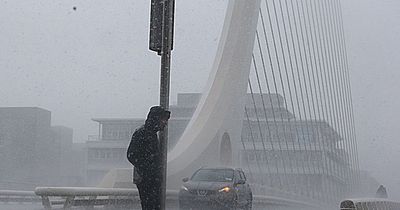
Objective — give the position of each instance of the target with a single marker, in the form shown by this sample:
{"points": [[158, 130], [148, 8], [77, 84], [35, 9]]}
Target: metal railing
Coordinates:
{"points": [[369, 204], [90, 197], [14, 196]]}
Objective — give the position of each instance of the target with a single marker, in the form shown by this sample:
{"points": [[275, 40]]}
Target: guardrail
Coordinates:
{"points": [[10, 196], [90, 197], [369, 204], [261, 200]]}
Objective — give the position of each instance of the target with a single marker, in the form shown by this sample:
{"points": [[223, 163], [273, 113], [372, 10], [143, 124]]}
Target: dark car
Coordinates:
{"points": [[216, 188]]}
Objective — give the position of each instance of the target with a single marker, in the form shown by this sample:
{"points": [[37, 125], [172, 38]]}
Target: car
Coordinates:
{"points": [[216, 188]]}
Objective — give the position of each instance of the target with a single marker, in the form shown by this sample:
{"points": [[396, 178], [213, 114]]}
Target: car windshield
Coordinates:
{"points": [[214, 175]]}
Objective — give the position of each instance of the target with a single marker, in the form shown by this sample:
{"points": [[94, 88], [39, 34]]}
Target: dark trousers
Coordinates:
{"points": [[150, 194]]}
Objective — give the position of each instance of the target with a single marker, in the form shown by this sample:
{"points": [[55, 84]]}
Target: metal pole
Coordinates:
{"points": [[167, 30]]}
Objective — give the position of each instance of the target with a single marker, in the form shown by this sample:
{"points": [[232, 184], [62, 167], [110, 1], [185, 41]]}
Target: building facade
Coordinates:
{"points": [[278, 151], [305, 157], [34, 153], [107, 150]]}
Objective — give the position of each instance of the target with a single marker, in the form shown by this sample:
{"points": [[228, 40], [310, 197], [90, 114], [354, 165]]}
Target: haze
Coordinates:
{"points": [[94, 62]]}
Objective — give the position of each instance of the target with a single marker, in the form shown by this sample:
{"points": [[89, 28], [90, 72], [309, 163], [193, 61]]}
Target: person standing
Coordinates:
{"points": [[381, 192], [144, 154]]}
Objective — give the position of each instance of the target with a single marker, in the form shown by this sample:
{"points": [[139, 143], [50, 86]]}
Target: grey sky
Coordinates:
{"points": [[93, 62]]}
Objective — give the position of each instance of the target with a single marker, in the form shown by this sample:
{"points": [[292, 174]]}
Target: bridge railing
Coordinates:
{"points": [[288, 195], [369, 204], [15, 196], [90, 197]]}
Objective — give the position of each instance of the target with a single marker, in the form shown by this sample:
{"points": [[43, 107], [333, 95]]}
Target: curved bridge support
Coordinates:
{"points": [[219, 114]]}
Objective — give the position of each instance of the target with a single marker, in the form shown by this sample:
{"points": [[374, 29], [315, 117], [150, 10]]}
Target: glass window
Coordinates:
{"points": [[213, 175], [92, 154], [242, 176], [237, 175], [102, 154], [251, 157], [116, 154]]}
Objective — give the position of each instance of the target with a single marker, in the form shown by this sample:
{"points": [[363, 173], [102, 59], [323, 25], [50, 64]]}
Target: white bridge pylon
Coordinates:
{"points": [[221, 108], [219, 114]]}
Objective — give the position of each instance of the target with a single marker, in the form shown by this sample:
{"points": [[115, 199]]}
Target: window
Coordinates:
{"points": [[251, 157], [237, 175], [102, 154], [242, 176], [97, 154], [116, 154], [215, 175], [91, 154]]}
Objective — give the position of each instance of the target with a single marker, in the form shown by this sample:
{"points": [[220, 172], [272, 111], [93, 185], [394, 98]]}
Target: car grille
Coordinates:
{"points": [[202, 192]]}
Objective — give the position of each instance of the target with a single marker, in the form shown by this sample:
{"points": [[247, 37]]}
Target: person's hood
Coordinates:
{"points": [[153, 118]]}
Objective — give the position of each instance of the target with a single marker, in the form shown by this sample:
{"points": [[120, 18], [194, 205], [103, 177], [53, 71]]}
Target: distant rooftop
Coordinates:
{"points": [[23, 109], [188, 99], [119, 120]]}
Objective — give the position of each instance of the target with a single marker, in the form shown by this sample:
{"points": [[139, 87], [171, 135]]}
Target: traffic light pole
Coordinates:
{"points": [[161, 41], [166, 46]]}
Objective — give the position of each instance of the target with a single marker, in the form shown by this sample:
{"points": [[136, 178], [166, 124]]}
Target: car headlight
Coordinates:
{"points": [[225, 189], [184, 188]]}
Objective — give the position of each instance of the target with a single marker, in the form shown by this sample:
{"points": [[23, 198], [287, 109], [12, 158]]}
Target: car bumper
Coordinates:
{"points": [[192, 201]]}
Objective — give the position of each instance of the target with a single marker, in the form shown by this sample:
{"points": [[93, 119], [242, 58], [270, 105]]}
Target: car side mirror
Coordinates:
{"points": [[241, 181], [185, 179]]}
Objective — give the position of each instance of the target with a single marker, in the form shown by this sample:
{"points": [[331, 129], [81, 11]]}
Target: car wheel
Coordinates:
{"points": [[249, 205], [183, 207], [236, 204]]}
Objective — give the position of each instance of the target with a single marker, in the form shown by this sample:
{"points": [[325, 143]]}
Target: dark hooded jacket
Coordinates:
{"points": [[144, 149]]}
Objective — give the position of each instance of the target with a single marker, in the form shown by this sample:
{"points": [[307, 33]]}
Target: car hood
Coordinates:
{"points": [[202, 185]]}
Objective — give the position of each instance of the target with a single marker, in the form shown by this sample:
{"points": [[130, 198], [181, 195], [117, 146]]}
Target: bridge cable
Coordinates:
{"points": [[305, 64], [246, 152], [267, 83], [349, 94], [258, 121], [311, 156], [270, 93], [308, 163], [329, 96], [253, 141], [315, 76], [339, 90], [348, 142], [276, 90], [264, 109], [341, 71], [324, 51], [288, 118], [327, 92]]}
